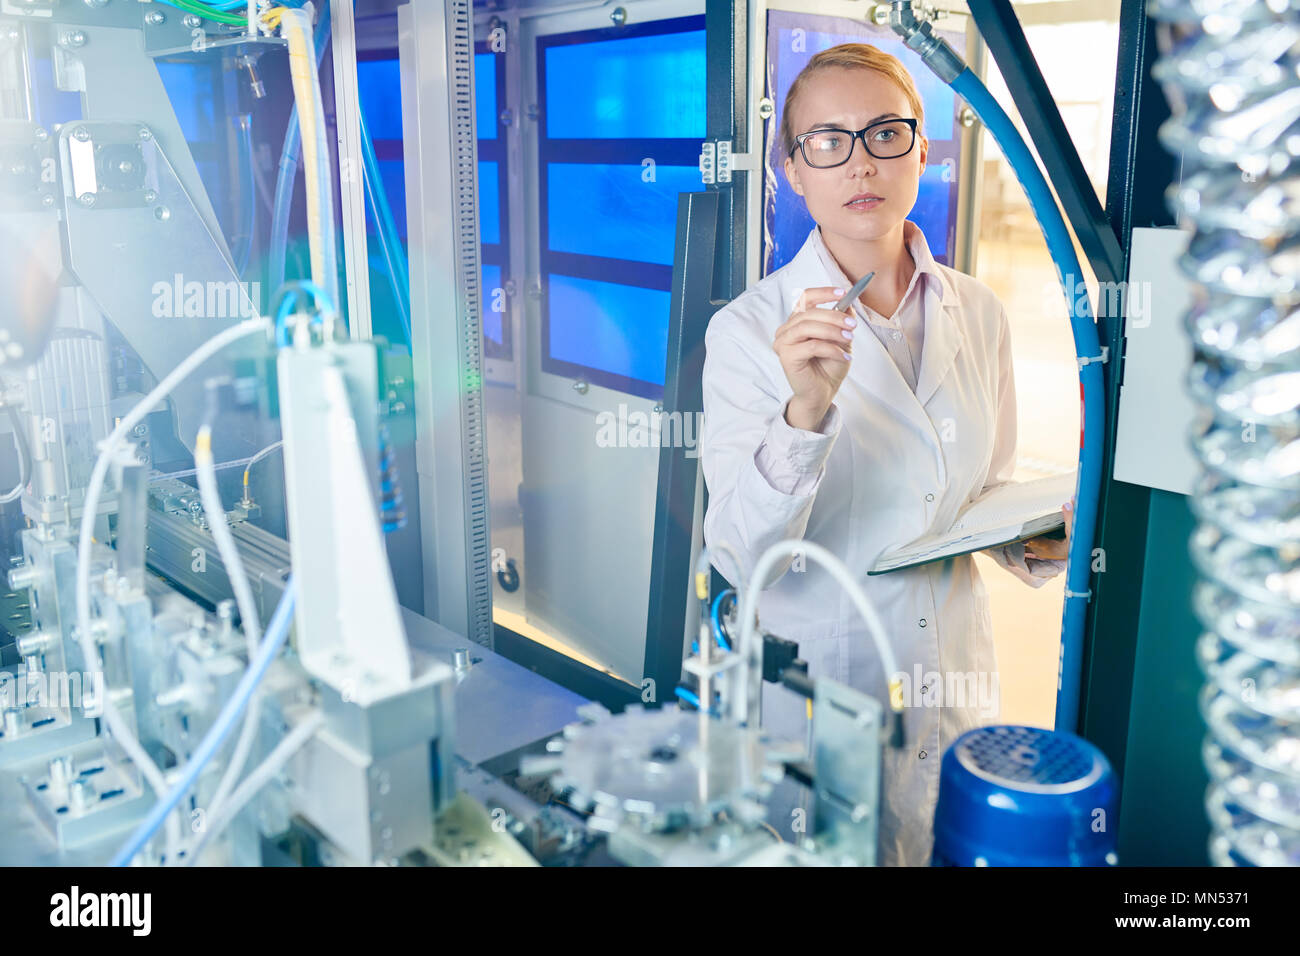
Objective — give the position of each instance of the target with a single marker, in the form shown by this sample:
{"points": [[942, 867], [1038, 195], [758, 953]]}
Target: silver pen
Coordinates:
{"points": [[853, 293]]}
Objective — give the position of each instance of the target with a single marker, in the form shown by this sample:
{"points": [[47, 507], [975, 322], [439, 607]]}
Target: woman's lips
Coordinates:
{"points": [[861, 205]]}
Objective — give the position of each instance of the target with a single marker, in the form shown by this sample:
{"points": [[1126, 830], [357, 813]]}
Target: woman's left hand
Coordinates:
{"points": [[1053, 548]]}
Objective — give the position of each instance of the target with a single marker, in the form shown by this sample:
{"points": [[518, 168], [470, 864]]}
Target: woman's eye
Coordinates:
{"points": [[885, 135]]}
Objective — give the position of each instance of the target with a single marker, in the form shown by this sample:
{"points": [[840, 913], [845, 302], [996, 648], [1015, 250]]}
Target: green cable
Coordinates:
{"points": [[209, 13]]}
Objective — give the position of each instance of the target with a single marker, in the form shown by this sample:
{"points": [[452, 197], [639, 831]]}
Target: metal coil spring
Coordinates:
{"points": [[1229, 69]]}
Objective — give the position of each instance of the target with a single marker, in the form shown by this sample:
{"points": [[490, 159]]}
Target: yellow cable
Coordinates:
{"points": [[302, 70]]}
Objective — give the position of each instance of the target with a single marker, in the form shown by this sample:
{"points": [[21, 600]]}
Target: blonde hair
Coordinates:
{"points": [[861, 56]]}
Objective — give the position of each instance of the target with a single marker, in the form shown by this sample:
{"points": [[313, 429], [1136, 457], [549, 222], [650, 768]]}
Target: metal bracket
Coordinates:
{"points": [[717, 161]]}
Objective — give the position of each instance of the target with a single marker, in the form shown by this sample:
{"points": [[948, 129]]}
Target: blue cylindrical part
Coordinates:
{"points": [[1022, 796]]}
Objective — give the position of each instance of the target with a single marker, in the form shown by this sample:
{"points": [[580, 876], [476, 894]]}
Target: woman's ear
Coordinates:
{"points": [[792, 175], [925, 150]]}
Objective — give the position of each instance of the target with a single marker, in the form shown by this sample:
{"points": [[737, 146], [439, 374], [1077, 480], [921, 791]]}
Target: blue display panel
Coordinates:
{"points": [[489, 203], [485, 95], [380, 89], [633, 87], [609, 326], [792, 40], [623, 120], [600, 209]]}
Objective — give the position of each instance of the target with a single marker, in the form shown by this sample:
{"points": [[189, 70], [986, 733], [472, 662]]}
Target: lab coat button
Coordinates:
{"points": [[921, 622], [929, 497], [922, 755]]}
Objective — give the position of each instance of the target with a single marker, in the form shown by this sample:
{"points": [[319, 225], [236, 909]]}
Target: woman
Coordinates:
{"points": [[862, 430]]}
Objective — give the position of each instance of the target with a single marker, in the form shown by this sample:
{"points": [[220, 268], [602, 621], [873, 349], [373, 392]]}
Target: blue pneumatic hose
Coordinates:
{"points": [[1087, 346], [277, 632]]}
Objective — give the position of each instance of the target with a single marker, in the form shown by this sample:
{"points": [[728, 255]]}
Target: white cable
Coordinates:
{"points": [[221, 815], [745, 707], [94, 488], [215, 513]]}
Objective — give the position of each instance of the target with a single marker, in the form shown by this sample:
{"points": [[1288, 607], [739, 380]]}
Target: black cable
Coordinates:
{"points": [[24, 456]]}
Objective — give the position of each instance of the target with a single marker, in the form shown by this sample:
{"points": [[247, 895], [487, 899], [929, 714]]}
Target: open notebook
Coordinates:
{"points": [[1008, 513]]}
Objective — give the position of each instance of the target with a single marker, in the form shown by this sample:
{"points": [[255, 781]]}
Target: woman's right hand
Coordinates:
{"points": [[814, 346]]}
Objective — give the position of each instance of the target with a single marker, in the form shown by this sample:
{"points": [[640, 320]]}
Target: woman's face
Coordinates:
{"points": [[852, 99]]}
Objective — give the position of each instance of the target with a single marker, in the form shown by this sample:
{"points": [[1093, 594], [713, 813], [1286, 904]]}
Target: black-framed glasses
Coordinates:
{"points": [[827, 148]]}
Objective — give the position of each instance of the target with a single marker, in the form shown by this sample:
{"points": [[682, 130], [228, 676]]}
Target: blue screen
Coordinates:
{"points": [[393, 174], [485, 95], [606, 210], [931, 209], [380, 86], [648, 87], [621, 329], [489, 203]]}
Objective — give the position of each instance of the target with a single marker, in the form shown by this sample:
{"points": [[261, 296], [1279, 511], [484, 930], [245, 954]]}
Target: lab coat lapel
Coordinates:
{"points": [[943, 338]]}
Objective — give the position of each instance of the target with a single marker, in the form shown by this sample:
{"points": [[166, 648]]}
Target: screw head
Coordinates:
{"points": [[81, 134], [154, 18], [766, 108], [72, 40], [618, 16], [47, 200], [145, 133], [86, 199], [150, 195], [191, 21]]}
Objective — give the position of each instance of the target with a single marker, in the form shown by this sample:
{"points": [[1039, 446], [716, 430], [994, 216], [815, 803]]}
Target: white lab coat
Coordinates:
{"points": [[902, 464]]}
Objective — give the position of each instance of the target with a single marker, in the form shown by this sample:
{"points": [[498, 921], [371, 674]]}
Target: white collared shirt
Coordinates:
{"points": [[903, 333]]}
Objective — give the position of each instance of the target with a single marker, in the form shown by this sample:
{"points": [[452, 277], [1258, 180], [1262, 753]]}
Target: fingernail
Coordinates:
{"points": [[850, 321], [847, 357], [846, 333], [839, 291]]}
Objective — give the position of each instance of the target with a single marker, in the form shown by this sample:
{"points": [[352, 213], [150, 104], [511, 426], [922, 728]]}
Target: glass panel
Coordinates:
{"points": [[612, 211], [617, 329], [598, 90]]}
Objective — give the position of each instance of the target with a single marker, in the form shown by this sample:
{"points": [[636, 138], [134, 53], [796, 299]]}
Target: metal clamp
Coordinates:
{"points": [[1103, 358], [1086, 595]]}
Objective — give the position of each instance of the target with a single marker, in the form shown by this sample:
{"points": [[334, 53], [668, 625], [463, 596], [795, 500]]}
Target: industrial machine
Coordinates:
{"points": [[257, 611]]}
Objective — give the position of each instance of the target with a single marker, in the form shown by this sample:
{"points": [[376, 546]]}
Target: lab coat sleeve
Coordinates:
{"points": [[1033, 571], [762, 474]]}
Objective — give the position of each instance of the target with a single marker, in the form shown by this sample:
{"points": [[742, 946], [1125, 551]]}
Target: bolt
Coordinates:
{"points": [[191, 21], [460, 658], [145, 133], [618, 16], [73, 40], [880, 14], [967, 117], [47, 200], [86, 199], [766, 108], [154, 18], [22, 577], [140, 430], [81, 134], [150, 195]]}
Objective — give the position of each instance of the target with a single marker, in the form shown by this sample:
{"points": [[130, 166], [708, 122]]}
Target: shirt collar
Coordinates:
{"points": [[916, 245]]}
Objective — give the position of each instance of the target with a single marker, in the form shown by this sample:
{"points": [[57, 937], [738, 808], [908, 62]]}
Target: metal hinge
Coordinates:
{"points": [[717, 161]]}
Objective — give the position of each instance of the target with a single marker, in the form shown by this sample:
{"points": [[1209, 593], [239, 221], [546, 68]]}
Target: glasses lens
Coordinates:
{"points": [[887, 140], [828, 147]]}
